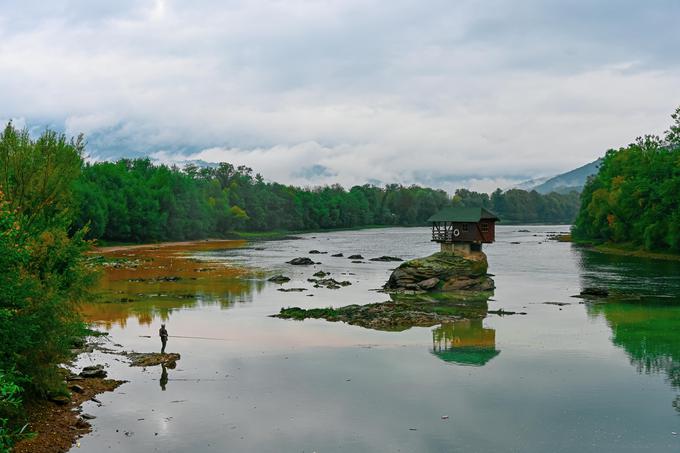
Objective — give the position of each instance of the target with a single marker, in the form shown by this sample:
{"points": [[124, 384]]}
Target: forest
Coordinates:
{"points": [[634, 199], [137, 200], [517, 206]]}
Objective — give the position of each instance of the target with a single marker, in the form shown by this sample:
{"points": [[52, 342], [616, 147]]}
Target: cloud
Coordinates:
{"points": [[442, 93]]}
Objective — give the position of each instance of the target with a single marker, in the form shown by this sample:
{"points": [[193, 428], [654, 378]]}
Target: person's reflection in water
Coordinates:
{"points": [[164, 376]]}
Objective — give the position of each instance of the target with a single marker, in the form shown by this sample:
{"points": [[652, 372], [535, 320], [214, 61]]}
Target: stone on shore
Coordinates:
{"points": [[94, 371], [443, 271]]}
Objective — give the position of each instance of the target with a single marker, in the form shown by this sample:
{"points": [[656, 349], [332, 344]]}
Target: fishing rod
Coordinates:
{"points": [[193, 338]]}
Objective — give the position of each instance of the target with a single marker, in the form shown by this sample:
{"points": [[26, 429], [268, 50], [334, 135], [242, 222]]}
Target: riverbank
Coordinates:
{"points": [[278, 235], [252, 236], [58, 425], [184, 245], [629, 250]]}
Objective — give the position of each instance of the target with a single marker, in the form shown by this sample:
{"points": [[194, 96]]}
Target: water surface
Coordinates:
{"points": [[579, 377]]}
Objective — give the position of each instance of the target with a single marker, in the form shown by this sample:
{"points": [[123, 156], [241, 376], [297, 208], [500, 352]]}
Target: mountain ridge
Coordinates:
{"points": [[572, 180]]}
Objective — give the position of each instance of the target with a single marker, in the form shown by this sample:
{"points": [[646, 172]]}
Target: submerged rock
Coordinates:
{"points": [[329, 283], [301, 261], [380, 316], [444, 272], [355, 257], [337, 255], [316, 252], [387, 258], [320, 274], [279, 279], [594, 292]]}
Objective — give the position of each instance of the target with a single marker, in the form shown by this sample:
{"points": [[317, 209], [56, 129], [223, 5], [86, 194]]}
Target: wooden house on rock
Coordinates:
{"points": [[463, 230]]}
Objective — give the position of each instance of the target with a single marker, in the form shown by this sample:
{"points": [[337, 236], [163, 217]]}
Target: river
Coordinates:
{"points": [[567, 376]]}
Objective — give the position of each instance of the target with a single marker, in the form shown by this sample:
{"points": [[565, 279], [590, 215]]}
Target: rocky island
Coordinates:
{"points": [[443, 287], [443, 271]]}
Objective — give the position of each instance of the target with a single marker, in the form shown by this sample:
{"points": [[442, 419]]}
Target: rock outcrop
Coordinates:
{"points": [[301, 261], [144, 359], [93, 371], [279, 279], [381, 316], [443, 271], [386, 258]]}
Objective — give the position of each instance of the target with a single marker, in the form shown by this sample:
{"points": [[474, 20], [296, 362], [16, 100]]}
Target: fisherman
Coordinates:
{"points": [[164, 337]]}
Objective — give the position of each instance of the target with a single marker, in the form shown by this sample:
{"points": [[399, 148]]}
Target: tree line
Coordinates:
{"points": [[518, 206], [634, 198], [135, 200]]}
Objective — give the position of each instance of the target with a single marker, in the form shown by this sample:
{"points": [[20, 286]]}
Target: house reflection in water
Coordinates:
{"points": [[465, 342]]}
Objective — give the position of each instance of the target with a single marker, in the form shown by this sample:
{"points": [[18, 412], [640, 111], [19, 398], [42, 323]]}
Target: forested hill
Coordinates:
{"points": [[573, 180], [136, 200], [635, 197]]}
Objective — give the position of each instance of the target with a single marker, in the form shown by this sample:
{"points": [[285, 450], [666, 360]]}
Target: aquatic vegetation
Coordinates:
{"points": [[402, 313]]}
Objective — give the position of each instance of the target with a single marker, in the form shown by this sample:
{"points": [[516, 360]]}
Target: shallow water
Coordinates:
{"points": [[579, 377]]}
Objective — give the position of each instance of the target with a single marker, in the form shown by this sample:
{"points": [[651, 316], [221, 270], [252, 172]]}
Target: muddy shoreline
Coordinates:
{"points": [[58, 426]]}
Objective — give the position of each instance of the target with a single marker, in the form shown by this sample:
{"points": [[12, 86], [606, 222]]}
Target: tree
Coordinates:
{"points": [[633, 198]]}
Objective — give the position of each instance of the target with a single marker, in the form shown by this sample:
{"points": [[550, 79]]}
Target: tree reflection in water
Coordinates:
{"points": [[643, 309], [149, 282], [465, 342]]}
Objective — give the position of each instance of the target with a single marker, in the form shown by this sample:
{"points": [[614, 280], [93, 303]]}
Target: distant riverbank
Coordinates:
{"points": [[615, 249], [107, 246], [629, 250]]}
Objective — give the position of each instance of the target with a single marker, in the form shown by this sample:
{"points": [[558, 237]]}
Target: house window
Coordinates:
{"points": [[485, 227], [465, 227]]}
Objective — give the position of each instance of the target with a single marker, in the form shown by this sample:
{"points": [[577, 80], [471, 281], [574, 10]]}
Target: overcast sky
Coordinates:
{"points": [[443, 93]]}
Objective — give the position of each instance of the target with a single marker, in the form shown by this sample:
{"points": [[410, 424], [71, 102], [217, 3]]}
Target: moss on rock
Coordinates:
{"points": [[451, 272]]}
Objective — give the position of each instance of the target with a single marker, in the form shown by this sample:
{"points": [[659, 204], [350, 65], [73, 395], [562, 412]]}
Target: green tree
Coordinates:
{"points": [[42, 272], [634, 197]]}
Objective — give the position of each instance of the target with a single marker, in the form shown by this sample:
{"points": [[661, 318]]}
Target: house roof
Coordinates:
{"points": [[468, 356], [463, 215]]}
